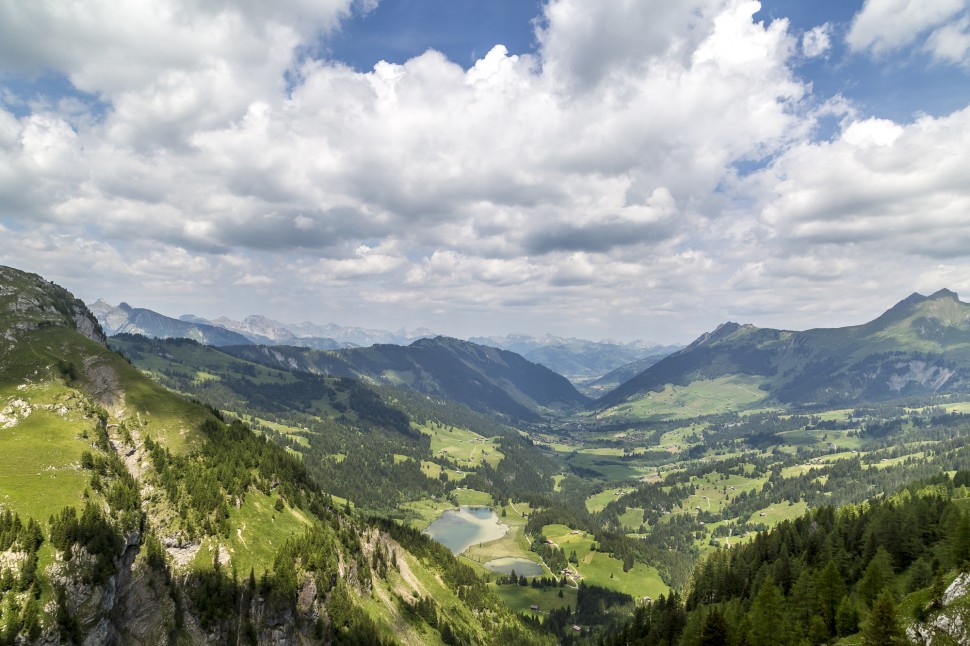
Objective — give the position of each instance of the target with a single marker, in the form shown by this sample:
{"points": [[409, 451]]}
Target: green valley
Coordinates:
{"points": [[251, 477]]}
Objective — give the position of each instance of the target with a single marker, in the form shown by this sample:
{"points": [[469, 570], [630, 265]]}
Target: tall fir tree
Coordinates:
{"points": [[715, 631], [882, 626], [768, 626], [878, 576]]}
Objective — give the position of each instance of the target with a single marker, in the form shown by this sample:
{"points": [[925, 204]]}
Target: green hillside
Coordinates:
{"points": [[357, 441], [857, 574], [488, 380], [920, 346], [131, 515]]}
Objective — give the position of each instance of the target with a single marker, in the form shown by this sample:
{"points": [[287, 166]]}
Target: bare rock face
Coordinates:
{"points": [[952, 623], [103, 384], [89, 604], [145, 613], [88, 326], [922, 373], [957, 590], [275, 623], [35, 303]]}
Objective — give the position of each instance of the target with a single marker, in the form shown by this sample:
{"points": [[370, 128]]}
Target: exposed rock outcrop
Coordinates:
{"points": [[951, 623]]}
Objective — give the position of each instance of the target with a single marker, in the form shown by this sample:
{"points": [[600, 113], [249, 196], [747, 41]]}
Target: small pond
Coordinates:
{"points": [[459, 530], [506, 564]]}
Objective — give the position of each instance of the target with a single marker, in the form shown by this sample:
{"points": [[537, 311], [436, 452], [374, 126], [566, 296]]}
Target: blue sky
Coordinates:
{"points": [[624, 169], [894, 87], [463, 30]]}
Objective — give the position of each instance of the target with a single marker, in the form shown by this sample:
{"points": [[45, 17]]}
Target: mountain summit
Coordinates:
{"points": [[125, 319], [920, 345]]}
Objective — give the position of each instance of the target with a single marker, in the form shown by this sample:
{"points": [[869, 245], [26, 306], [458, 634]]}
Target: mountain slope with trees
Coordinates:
{"points": [[485, 379], [131, 515], [829, 574]]}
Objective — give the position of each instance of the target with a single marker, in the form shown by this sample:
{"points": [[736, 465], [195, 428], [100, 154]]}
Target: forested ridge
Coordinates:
{"points": [[830, 573]]}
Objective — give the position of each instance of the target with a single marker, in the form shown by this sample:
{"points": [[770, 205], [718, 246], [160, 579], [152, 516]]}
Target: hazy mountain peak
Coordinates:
{"points": [[722, 331], [944, 293], [921, 345], [137, 320]]}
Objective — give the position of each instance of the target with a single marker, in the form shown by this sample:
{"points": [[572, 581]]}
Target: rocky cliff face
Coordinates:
{"points": [[28, 302], [950, 622]]}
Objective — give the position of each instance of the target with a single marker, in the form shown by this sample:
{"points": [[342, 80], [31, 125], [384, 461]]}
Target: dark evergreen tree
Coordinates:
{"points": [[961, 543], [878, 576], [846, 618], [831, 589], [767, 619], [882, 626], [715, 631]]}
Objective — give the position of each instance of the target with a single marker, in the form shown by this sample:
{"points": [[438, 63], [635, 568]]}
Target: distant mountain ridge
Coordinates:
{"points": [[135, 320], [486, 379], [919, 346], [580, 360], [266, 331]]}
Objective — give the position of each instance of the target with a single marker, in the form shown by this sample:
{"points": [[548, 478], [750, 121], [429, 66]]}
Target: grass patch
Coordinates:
{"points": [[704, 397], [521, 598], [260, 530], [467, 448], [473, 498], [421, 513], [600, 569], [598, 502], [40, 470], [779, 512]]}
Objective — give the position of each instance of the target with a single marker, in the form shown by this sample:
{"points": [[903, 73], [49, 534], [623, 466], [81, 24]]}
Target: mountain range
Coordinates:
{"points": [[583, 362], [266, 331], [125, 319], [579, 360], [131, 514], [920, 346], [484, 378]]}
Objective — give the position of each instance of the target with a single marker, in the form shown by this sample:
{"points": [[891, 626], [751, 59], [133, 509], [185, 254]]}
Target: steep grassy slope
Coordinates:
{"points": [[354, 444], [920, 346], [129, 515]]}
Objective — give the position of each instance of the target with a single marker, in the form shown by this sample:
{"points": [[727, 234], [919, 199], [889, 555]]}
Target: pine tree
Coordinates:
{"points": [[961, 543], [878, 576], [715, 630], [830, 590], [801, 601], [846, 618], [767, 621], [882, 627], [920, 575]]}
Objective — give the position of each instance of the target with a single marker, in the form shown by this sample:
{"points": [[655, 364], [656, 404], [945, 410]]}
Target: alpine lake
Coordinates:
{"points": [[460, 529]]}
